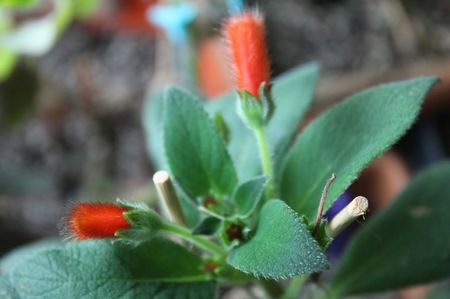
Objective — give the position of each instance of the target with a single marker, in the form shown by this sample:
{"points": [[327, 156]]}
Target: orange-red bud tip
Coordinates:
{"points": [[248, 50], [96, 220]]}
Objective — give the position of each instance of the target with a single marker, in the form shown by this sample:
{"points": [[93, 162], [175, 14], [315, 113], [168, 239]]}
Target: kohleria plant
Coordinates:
{"points": [[242, 199]]}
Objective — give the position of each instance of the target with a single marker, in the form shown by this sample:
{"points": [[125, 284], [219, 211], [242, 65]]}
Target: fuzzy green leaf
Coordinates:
{"points": [[6, 290], [248, 195], [346, 138], [196, 153], [101, 269], [14, 258], [405, 244], [152, 120], [292, 93], [282, 246]]}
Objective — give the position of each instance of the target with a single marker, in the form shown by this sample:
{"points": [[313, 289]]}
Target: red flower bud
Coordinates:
{"points": [[248, 51], [96, 220]]}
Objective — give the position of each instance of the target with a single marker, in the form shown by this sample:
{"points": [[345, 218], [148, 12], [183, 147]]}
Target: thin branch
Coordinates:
{"points": [[322, 202], [210, 213]]}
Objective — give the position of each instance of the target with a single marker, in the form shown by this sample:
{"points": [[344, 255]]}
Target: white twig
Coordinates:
{"points": [[356, 208], [168, 197]]}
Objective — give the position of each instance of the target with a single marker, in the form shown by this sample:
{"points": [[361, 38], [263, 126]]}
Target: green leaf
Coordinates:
{"points": [[102, 269], [293, 89], [196, 153], [6, 290], [346, 138], [282, 246], [248, 195], [21, 254], [207, 226], [405, 244], [222, 127], [8, 61], [293, 93], [84, 8], [152, 119], [17, 3]]}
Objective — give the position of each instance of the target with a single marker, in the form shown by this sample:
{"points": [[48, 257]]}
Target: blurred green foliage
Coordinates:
{"points": [[35, 36]]}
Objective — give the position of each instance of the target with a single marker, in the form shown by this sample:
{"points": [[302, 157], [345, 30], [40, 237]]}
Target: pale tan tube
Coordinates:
{"points": [[168, 197], [356, 208]]}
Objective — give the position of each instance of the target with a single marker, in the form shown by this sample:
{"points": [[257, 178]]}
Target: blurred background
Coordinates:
{"points": [[74, 75]]}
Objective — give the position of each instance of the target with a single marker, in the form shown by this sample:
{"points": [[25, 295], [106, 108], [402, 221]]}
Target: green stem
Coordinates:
{"points": [[264, 152], [294, 287], [201, 242]]}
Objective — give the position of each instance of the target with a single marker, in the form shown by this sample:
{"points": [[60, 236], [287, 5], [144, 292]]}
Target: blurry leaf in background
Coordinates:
{"points": [[8, 60], [441, 291], [344, 139], [84, 8], [152, 119], [17, 3], [407, 243], [68, 10], [36, 36], [19, 95]]}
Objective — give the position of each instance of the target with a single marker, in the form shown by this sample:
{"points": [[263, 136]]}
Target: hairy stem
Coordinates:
{"points": [[198, 241], [294, 287], [266, 161]]}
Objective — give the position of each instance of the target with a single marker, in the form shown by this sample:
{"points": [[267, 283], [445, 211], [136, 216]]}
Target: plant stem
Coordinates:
{"points": [[266, 162], [200, 242], [322, 203], [294, 287]]}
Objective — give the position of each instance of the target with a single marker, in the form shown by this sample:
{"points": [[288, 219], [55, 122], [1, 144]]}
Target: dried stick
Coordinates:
{"points": [[322, 203], [168, 197], [356, 208]]}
